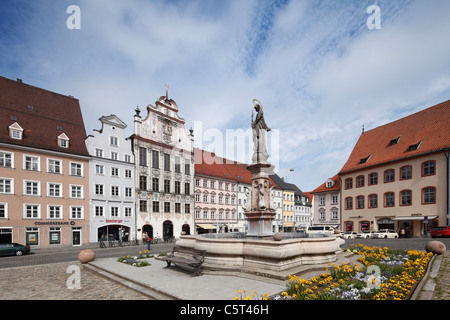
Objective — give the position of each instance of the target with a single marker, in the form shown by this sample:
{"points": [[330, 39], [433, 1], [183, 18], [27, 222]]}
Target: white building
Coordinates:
{"points": [[164, 171], [111, 182]]}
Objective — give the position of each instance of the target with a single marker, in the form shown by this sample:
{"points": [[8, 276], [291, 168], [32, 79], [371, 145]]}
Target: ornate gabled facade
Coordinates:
{"points": [[164, 171]]}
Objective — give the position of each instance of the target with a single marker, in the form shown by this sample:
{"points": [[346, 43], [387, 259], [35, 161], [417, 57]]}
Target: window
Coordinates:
{"points": [[373, 201], [32, 211], [32, 188], [99, 211], [114, 172], [155, 206], [364, 160], [54, 166], [205, 183], [177, 207], [63, 141], [394, 141], [6, 185], [142, 156], [389, 176], [321, 215], [99, 153], [177, 187], [15, 131], [128, 212], [54, 190], [334, 215], [197, 197], [322, 201], [114, 155], [128, 173], [113, 141], [127, 158], [76, 192], [166, 207], [187, 166], [76, 169], [114, 212], [155, 159], [428, 168], [389, 199], [99, 190], [77, 212], [143, 205], [114, 191], [205, 214], [3, 211], [360, 202], [405, 173], [197, 182], [167, 186], [197, 214], [187, 208], [359, 181], [428, 195], [128, 192], [373, 179], [405, 198], [142, 182], [414, 146], [348, 183], [187, 188], [31, 163], [166, 161], [155, 184], [334, 199], [99, 169], [348, 203], [177, 165], [205, 198], [5, 159], [54, 212]]}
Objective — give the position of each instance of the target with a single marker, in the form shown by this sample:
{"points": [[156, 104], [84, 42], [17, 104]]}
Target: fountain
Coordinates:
{"points": [[259, 251]]}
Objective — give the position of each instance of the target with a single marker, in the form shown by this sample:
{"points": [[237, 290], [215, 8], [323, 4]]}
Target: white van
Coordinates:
{"points": [[320, 229]]}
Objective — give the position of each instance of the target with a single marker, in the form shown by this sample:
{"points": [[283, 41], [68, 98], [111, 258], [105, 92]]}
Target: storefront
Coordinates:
{"points": [[415, 225], [112, 229]]}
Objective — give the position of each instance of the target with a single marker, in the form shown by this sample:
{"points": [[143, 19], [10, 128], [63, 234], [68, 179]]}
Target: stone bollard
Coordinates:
{"points": [[435, 247], [86, 255], [278, 237]]}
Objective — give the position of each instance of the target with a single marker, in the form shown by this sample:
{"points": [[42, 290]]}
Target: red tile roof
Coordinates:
{"points": [[43, 116], [429, 128], [323, 186], [209, 164]]}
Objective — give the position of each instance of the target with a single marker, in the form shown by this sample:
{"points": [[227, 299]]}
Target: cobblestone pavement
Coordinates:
{"points": [[49, 282], [442, 289]]}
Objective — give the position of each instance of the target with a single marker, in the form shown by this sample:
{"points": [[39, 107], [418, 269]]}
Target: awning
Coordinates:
{"points": [[415, 218], [206, 226]]}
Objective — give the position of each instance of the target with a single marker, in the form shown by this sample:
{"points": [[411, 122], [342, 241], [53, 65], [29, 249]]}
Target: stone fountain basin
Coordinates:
{"points": [[238, 253]]}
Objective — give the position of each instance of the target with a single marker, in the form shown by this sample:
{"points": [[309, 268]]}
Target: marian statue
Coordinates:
{"points": [[259, 128]]}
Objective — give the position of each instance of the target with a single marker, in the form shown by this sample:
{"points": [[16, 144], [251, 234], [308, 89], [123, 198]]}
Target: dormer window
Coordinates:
{"points": [[364, 160], [394, 141], [414, 147], [63, 140], [16, 131]]}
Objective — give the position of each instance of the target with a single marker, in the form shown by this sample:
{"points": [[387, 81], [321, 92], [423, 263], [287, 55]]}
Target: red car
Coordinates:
{"points": [[440, 232]]}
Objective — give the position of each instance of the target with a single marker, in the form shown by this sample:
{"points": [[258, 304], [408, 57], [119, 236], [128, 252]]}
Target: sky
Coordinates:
{"points": [[321, 69]]}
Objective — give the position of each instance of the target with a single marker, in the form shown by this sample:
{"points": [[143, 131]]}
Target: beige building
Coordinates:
{"points": [[397, 175], [44, 167]]}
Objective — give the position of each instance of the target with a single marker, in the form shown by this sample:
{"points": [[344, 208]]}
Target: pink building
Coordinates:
{"points": [[44, 167], [215, 191]]}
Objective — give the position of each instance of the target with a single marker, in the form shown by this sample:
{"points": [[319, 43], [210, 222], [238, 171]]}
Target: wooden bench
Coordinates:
{"points": [[195, 261]]}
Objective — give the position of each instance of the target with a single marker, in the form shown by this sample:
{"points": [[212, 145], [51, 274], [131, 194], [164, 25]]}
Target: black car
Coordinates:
{"points": [[10, 249]]}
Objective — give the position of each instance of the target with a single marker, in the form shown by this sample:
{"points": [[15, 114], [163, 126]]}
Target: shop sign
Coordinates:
{"points": [[54, 223]]}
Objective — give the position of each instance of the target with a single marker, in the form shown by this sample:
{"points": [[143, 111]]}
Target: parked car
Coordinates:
{"points": [[440, 232], [385, 233], [365, 235], [320, 229], [10, 249], [349, 235]]}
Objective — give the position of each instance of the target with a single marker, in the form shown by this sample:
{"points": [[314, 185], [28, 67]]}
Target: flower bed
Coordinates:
{"points": [[137, 259], [385, 275]]}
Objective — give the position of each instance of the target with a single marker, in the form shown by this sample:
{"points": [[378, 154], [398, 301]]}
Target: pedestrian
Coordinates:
{"points": [[149, 240]]}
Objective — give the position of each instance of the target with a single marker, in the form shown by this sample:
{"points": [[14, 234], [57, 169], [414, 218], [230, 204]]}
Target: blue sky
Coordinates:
{"points": [[319, 72]]}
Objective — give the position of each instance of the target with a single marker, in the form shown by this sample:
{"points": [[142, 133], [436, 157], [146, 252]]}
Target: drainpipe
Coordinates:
{"points": [[446, 153]]}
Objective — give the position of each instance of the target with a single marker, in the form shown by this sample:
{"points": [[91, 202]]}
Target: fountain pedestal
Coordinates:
{"points": [[261, 213]]}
